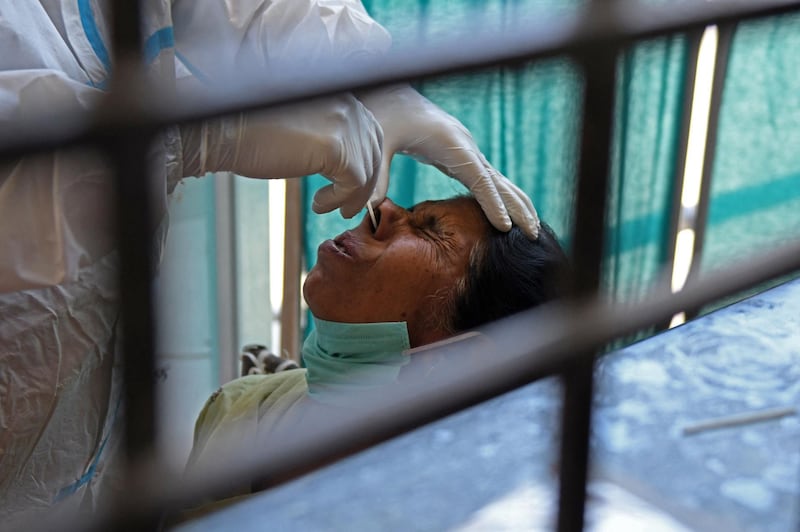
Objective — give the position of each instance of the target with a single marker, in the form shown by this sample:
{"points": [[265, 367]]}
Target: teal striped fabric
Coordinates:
{"points": [[650, 78], [755, 188]]}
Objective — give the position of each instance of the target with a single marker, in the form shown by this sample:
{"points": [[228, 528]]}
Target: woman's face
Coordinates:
{"points": [[403, 271]]}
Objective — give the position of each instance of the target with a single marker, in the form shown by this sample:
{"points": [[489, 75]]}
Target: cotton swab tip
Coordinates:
{"points": [[372, 216]]}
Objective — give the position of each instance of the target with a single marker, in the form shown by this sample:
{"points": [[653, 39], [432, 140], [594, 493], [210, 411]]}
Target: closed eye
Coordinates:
{"points": [[431, 228], [429, 224]]}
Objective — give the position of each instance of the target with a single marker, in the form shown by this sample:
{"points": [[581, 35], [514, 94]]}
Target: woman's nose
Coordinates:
{"points": [[388, 214], [390, 210]]}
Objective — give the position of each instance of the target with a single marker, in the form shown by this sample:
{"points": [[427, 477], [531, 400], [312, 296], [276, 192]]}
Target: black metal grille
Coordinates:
{"points": [[575, 330]]}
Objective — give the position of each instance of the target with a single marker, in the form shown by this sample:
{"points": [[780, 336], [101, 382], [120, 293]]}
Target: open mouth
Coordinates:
{"points": [[344, 243], [339, 243]]}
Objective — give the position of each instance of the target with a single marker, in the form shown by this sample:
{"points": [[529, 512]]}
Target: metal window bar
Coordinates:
{"points": [[624, 22], [128, 152], [227, 298], [292, 271], [574, 332], [724, 42], [599, 67], [128, 149]]}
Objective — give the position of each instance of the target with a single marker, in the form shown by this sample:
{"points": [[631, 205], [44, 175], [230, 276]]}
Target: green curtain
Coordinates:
{"points": [[650, 86], [755, 189], [526, 121]]}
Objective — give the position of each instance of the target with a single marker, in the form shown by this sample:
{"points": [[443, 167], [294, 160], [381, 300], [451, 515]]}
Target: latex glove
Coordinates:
{"points": [[413, 125], [337, 137]]}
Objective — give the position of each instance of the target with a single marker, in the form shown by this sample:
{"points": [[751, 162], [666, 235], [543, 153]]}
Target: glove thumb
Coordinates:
{"points": [[382, 182]]}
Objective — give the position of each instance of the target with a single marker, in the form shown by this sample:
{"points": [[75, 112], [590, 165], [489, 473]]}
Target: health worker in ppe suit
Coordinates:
{"points": [[60, 379]]}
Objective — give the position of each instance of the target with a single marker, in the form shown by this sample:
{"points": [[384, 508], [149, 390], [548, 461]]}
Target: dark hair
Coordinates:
{"points": [[509, 273]]}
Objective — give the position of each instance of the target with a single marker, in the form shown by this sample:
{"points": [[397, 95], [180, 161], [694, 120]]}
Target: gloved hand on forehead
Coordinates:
{"points": [[337, 137], [415, 126]]}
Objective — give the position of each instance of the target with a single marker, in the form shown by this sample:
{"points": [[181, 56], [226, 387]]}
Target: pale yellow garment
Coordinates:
{"points": [[232, 420], [234, 414]]}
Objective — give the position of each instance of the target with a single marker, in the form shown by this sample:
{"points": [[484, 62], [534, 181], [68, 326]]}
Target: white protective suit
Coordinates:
{"points": [[60, 378]]}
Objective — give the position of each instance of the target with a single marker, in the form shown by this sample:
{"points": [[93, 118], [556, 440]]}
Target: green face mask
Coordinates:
{"points": [[342, 358]]}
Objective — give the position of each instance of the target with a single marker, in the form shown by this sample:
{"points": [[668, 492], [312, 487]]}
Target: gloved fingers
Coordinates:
{"points": [[349, 200], [382, 181], [380, 175], [379, 141], [415, 126], [531, 209], [357, 155], [520, 207], [324, 200], [468, 165], [485, 192]]}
